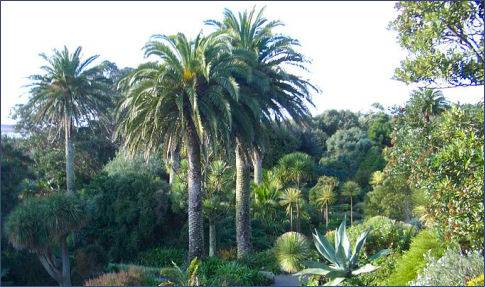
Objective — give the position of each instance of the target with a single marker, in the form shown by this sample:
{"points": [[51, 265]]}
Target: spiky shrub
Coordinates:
{"points": [[477, 281], [291, 249], [178, 277], [453, 268], [343, 261]]}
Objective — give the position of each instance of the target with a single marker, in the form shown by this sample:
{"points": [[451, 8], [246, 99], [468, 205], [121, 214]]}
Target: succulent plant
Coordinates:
{"points": [[343, 260]]}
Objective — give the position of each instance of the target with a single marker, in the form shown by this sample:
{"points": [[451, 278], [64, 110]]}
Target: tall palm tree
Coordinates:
{"points": [[65, 95], [181, 99], [269, 94], [292, 200], [351, 189], [324, 194]]}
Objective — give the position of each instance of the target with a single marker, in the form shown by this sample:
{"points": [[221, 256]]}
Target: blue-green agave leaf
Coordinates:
{"points": [[365, 269], [358, 246]]}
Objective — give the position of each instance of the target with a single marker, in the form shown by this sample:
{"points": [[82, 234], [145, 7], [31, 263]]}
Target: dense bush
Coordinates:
{"points": [[453, 268], [159, 257], [128, 214], [133, 276], [413, 261], [215, 271], [264, 261], [386, 267]]}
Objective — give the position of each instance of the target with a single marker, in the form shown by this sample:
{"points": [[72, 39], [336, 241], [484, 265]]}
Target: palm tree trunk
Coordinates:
{"points": [[351, 211], [50, 266], [297, 217], [212, 238], [69, 155], [291, 218], [257, 166], [326, 216], [243, 228], [195, 220], [66, 266]]}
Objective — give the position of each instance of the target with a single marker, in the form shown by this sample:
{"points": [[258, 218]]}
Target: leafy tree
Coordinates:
{"points": [[67, 94], [291, 198], [424, 104], [322, 194], [42, 225], [445, 42], [332, 120], [380, 129], [181, 99], [351, 189]]}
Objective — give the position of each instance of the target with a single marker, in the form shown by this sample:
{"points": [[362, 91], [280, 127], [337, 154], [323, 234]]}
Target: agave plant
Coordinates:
{"points": [[343, 260]]}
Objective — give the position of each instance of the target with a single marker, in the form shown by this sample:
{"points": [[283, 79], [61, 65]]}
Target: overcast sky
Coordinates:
{"points": [[353, 53]]}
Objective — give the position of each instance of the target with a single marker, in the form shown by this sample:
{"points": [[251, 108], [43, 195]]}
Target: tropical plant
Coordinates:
{"points": [[68, 94], [351, 189], [343, 260], [269, 94], [323, 194], [265, 198], [182, 99], [217, 197], [426, 103], [291, 198], [291, 250], [454, 268], [477, 281], [42, 225], [178, 277], [295, 168]]}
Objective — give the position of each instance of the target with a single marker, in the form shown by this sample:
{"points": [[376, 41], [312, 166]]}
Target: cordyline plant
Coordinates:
{"points": [[343, 261]]}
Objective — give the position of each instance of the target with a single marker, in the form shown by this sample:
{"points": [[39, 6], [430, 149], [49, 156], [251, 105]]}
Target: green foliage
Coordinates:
{"points": [[215, 271], [413, 260], [159, 257], [123, 164], [39, 223], [295, 168], [391, 197], [477, 281], [332, 120], [179, 277], [445, 41], [265, 261], [128, 213], [380, 129], [386, 267], [343, 260], [452, 269], [291, 250]]}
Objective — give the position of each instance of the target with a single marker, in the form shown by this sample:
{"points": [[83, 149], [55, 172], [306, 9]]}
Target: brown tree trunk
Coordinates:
{"points": [[257, 166], [291, 218], [298, 218], [51, 267], [195, 219], [243, 227], [174, 163], [326, 216], [70, 179]]}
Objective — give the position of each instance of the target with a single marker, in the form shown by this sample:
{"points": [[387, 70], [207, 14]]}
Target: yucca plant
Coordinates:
{"points": [[343, 260], [291, 249], [175, 276]]}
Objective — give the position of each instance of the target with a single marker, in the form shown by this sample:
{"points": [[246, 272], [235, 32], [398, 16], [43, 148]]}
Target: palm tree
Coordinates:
{"points": [[66, 95], [292, 200], [324, 194], [268, 94], [216, 201], [295, 167], [351, 189], [428, 103], [181, 99], [265, 198]]}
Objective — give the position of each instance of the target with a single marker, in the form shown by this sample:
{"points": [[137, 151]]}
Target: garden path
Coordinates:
{"points": [[285, 280]]}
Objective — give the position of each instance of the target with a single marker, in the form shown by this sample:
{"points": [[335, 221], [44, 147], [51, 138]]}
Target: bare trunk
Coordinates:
{"points": [[291, 218], [243, 228], [196, 239], [66, 266], [326, 216], [298, 227], [212, 238], [174, 163], [351, 211], [69, 155], [51, 267], [257, 166]]}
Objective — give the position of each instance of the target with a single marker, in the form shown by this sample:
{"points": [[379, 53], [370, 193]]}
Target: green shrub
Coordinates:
{"points": [[386, 267], [215, 271], [453, 268], [385, 233], [477, 281], [291, 250], [161, 257], [413, 261], [264, 261], [131, 277]]}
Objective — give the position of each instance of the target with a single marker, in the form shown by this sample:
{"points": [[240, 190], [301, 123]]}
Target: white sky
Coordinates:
{"points": [[353, 53]]}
